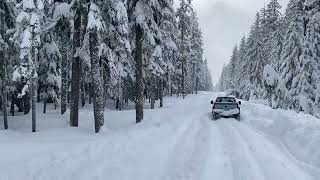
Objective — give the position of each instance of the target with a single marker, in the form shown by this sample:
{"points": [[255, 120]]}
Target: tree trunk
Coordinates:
{"points": [[34, 99], [117, 102], [183, 67], [153, 97], [98, 87], [12, 104], [154, 92], [3, 60], [76, 67], [90, 93], [64, 78], [139, 73], [197, 84], [4, 107], [193, 78], [161, 92], [68, 97], [45, 106], [169, 82], [75, 91], [83, 93]]}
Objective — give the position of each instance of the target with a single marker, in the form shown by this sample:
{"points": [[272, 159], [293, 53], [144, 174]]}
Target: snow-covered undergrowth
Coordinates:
{"points": [[300, 133]]}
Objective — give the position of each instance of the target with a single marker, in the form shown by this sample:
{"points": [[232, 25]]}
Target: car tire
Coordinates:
{"points": [[215, 117], [238, 117]]}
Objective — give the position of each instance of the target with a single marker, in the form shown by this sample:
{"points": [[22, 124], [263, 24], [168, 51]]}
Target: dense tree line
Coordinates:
{"points": [[280, 59], [78, 51]]}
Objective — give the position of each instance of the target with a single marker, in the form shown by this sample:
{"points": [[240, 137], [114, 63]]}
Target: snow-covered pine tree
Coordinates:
{"points": [[285, 50], [241, 61], [196, 53], [312, 41], [168, 30], [305, 83], [94, 27], [184, 25], [3, 62], [252, 77], [137, 17], [80, 17], [49, 71], [156, 64], [63, 16], [292, 50], [271, 39], [271, 32], [120, 62], [144, 16], [225, 78], [205, 80], [233, 63], [27, 36], [3, 47]]}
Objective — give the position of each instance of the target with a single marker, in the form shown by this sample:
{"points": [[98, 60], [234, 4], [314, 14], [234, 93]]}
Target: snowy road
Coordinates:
{"points": [[242, 153], [177, 142]]}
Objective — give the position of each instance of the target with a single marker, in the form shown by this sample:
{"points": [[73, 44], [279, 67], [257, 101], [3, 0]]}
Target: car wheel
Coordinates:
{"points": [[238, 117], [215, 117]]}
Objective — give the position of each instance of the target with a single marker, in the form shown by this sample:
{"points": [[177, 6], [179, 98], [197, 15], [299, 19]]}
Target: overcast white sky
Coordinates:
{"points": [[223, 23]]}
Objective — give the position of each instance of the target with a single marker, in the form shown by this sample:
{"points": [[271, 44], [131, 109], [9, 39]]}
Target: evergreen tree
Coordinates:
{"points": [[120, 62], [4, 22], [312, 52], [80, 13], [184, 25], [285, 50], [49, 71], [255, 60], [241, 61], [125, 50], [168, 30], [145, 17], [94, 27], [63, 33], [196, 52], [27, 35], [233, 62], [292, 50]]}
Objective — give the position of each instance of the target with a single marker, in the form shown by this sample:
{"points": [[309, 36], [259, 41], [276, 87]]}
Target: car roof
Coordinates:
{"points": [[226, 97]]}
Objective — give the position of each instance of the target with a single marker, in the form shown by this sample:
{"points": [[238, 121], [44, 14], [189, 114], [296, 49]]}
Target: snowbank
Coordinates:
{"points": [[300, 133]]}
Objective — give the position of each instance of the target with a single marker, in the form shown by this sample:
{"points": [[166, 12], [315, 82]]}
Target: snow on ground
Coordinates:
{"points": [[179, 141]]}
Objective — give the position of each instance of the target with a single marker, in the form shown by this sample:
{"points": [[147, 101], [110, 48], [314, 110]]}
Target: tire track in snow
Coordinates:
{"points": [[187, 160], [312, 170], [244, 165], [218, 162], [274, 161]]}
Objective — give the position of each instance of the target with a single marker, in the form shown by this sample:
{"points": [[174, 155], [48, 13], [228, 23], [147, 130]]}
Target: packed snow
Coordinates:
{"points": [[179, 141]]}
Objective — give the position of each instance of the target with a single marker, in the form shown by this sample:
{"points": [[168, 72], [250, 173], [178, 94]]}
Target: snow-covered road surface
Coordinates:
{"points": [[177, 142]]}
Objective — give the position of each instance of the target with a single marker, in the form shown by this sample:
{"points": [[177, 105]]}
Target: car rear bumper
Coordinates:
{"points": [[229, 116]]}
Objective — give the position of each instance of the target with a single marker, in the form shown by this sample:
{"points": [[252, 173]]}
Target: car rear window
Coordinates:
{"points": [[226, 99]]}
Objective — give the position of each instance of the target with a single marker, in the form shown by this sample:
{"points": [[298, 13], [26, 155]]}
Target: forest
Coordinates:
{"points": [[76, 52], [280, 58]]}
